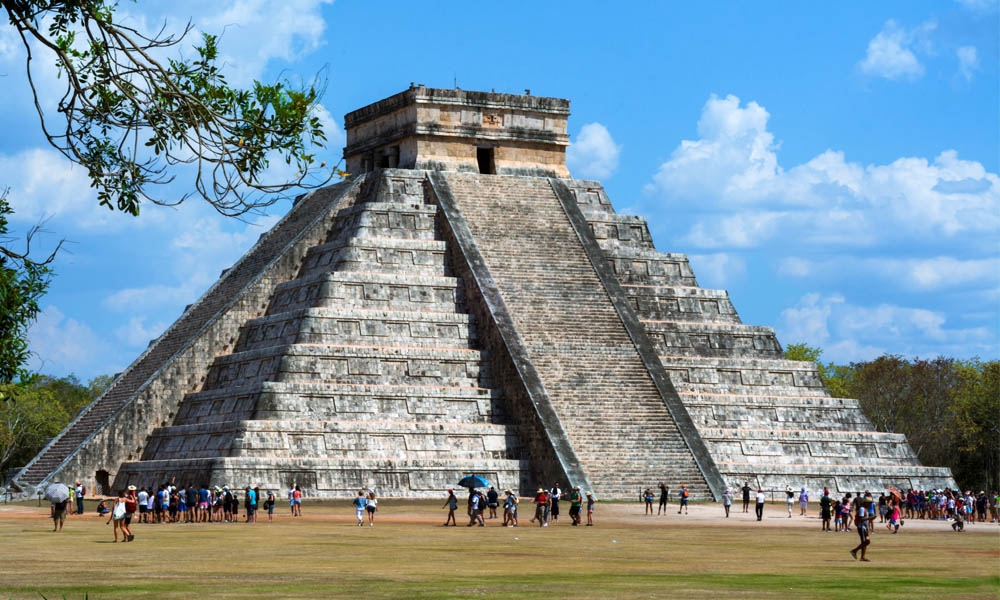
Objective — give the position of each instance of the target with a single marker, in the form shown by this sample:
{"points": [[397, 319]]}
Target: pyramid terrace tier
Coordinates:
{"points": [[613, 231], [333, 477], [381, 255], [351, 289], [731, 375], [355, 326], [681, 303], [327, 401], [335, 439], [738, 411], [839, 479], [643, 266], [402, 220], [717, 340], [809, 447], [350, 364]]}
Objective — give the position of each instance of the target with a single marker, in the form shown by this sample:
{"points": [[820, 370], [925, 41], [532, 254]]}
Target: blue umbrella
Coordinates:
{"points": [[473, 481]]}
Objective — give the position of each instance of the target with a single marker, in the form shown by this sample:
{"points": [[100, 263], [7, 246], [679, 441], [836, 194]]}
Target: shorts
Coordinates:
{"points": [[143, 510], [574, 511], [862, 533], [370, 509], [203, 505], [251, 510]]}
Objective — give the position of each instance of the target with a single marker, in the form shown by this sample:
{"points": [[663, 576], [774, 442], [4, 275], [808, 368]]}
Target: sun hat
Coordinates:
{"points": [[540, 490], [590, 493], [131, 488]]}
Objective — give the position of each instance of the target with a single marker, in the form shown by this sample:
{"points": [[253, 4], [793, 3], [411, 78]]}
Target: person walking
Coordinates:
{"points": [[297, 501], [269, 505], [727, 500], [803, 502], [664, 497], [541, 503], [575, 504], [590, 509], [746, 496], [761, 498], [118, 516], [492, 501], [359, 507], [864, 514], [371, 505], [555, 495], [685, 495], [131, 506], [451, 502], [80, 490], [58, 513], [789, 499], [510, 509], [825, 509]]}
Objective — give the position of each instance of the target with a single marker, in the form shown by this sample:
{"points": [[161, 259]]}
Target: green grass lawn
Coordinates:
{"points": [[409, 555]]}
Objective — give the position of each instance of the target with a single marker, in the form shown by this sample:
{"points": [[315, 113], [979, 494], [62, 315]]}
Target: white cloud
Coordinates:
{"points": [[912, 274], [63, 345], [137, 333], [255, 32], [594, 154], [849, 332], [718, 270], [980, 6], [745, 199], [44, 184], [732, 156], [968, 61], [890, 53]]}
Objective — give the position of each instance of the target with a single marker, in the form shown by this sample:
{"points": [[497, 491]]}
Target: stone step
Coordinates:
{"points": [[326, 325], [345, 439], [717, 340], [380, 255], [348, 364], [843, 476], [387, 219], [740, 371], [354, 289], [550, 287]]}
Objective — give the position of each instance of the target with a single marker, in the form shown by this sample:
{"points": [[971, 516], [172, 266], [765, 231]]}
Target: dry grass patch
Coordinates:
{"points": [[408, 554]]}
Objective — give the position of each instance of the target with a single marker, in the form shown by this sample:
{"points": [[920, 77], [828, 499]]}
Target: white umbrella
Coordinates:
{"points": [[57, 492]]}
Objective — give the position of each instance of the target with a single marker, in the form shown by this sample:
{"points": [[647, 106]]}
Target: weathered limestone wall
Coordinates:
{"points": [[239, 295], [426, 128]]}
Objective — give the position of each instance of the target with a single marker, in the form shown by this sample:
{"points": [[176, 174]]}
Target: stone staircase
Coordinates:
{"points": [[765, 419], [114, 426], [363, 371], [613, 414]]}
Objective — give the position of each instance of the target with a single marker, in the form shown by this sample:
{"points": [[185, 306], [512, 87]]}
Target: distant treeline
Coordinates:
{"points": [[948, 409], [35, 409]]}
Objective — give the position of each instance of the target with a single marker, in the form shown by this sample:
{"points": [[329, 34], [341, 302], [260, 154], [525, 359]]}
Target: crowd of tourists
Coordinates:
{"points": [[547, 505], [170, 503]]}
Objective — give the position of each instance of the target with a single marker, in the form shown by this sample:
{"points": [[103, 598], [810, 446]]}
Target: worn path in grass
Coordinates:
{"points": [[409, 555]]}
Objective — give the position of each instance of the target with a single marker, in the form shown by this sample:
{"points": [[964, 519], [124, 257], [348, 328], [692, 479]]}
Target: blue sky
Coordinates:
{"points": [[834, 166]]}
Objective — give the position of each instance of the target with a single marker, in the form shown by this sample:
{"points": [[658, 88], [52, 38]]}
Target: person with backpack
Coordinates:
{"points": [[492, 501], [510, 509], [685, 495], [131, 505]]}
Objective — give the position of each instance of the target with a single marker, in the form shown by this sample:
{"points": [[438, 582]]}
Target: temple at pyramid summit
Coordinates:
{"points": [[461, 305]]}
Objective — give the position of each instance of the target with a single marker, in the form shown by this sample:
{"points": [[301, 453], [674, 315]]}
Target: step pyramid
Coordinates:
{"points": [[462, 306]]}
